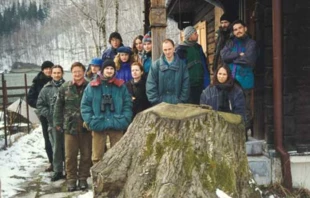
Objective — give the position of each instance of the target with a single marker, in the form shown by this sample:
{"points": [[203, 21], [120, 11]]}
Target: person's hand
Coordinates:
{"points": [[58, 128], [241, 54], [86, 126]]}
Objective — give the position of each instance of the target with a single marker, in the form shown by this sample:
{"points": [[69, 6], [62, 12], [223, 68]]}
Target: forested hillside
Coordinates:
{"points": [[64, 31]]}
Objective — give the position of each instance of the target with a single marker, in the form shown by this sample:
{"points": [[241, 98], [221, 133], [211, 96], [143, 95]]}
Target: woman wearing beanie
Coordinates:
{"points": [[137, 48], [45, 105], [38, 82], [93, 68], [122, 60], [147, 55]]}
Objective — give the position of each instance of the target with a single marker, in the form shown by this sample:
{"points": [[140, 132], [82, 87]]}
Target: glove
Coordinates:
{"points": [[85, 125]]}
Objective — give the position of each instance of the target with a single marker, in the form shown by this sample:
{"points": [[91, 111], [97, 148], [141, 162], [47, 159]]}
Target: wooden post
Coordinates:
{"points": [[27, 107], [4, 95], [158, 23]]}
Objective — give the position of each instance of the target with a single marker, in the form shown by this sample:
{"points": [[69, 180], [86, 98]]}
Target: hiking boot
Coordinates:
{"points": [[57, 176], [49, 169], [71, 186], [83, 184]]}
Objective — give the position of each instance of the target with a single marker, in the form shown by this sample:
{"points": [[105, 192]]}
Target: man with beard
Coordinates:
{"points": [[106, 109], [240, 54], [221, 37]]}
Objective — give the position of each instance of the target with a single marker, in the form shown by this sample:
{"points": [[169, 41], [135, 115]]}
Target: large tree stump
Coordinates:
{"points": [[177, 151]]}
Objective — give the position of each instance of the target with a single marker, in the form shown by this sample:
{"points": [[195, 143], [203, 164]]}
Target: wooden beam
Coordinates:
{"points": [[158, 23]]}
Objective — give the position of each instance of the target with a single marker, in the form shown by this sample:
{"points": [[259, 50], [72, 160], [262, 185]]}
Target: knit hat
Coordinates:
{"points": [[115, 35], [46, 64], [226, 17], [96, 62], [124, 49], [147, 37], [108, 62], [188, 31]]}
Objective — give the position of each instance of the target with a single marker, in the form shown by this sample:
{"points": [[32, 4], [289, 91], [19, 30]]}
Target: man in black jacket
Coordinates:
{"points": [[38, 82]]}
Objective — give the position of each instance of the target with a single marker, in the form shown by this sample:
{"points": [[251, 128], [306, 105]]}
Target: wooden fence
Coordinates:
{"points": [[5, 96]]}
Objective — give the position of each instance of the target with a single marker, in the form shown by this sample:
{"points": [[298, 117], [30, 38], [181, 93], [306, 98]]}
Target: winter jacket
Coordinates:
{"points": [[106, 105], [146, 62], [168, 82], [46, 101], [236, 97], [67, 113], [137, 91], [182, 51], [109, 53], [241, 66], [37, 84], [124, 73], [222, 38]]}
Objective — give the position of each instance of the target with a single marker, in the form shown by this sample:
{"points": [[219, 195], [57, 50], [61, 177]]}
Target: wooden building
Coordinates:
{"points": [[281, 28]]}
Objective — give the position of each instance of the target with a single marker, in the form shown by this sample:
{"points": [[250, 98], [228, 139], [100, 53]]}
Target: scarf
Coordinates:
{"points": [[189, 43], [223, 99], [58, 83]]}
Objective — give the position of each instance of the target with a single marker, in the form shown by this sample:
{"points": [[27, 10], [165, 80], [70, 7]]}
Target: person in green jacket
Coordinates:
{"points": [[45, 106], [168, 79], [106, 109], [67, 119]]}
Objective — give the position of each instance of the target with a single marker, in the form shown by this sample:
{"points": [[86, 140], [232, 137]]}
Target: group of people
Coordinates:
{"points": [[77, 116]]}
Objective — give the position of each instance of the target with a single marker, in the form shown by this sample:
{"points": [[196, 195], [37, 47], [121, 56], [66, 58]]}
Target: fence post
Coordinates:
{"points": [[4, 95], [27, 108]]}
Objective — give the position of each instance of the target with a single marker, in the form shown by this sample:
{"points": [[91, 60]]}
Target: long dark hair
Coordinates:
{"points": [[134, 48], [229, 80]]}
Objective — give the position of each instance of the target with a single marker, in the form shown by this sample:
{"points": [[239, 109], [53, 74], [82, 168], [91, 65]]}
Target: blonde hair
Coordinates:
{"points": [[118, 62]]}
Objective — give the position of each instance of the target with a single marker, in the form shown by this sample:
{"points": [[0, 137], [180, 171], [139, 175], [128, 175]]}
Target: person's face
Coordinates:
{"points": [[239, 30], [94, 69], [168, 50], [124, 57], [147, 46], [108, 72], [224, 24], [193, 37], [115, 43], [47, 71], [57, 74], [222, 75], [78, 73], [139, 45], [136, 72]]}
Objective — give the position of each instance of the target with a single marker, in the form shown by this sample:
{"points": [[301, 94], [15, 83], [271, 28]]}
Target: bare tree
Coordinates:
{"points": [[93, 20]]}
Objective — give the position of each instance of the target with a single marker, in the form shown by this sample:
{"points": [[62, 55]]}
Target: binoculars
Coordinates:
{"points": [[107, 100]]}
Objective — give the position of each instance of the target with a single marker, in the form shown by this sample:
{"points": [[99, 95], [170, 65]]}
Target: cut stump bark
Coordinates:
{"points": [[177, 151]]}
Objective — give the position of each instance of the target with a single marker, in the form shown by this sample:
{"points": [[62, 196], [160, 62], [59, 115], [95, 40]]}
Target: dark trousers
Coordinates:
{"points": [[248, 108], [195, 93], [48, 146]]}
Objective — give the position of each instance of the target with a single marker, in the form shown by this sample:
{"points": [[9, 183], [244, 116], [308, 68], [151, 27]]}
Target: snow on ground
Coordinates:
{"points": [[20, 160], [221, 194], [22, 170]]}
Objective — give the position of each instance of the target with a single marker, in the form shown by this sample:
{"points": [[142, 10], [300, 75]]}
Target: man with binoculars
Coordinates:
{"points": [[106, 109]]}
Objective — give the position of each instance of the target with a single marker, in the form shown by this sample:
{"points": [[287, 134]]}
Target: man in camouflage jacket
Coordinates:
{"points": [[67, 118]]}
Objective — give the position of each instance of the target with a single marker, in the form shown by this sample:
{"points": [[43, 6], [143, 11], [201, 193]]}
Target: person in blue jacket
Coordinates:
{"points": [[168, 79], [224, 94], [106, 109], [115, 41], [240, 53], [123, 60]]}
